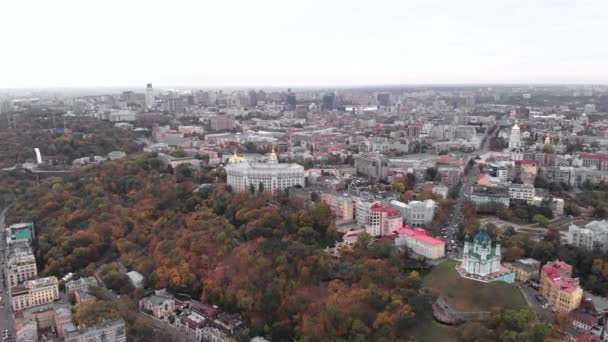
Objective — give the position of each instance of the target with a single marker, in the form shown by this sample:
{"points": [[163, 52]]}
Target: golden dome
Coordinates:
{"points": [[273, 153], [235, 158], [515, 127]]}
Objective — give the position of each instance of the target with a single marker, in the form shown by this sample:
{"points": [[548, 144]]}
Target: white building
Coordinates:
{"points": [[274, 177], [362, 210], [111, 330], [515, 138], [522, 192], [593, 234], [415, 213], [149, 96], [420, 243], [479, 257], [383, 220]]}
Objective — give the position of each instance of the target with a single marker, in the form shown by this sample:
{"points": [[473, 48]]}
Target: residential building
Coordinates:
{"points": [[562, 292], [383, 220], [168, 160], [372, 165], [555, 204], [342, 206], [225, 328], [161, 305], [521, 192], [418, 241], [525, 270], [415, 213], [221, 123], [362, 210], [34, 292], [590, 236], [270, 176], [23, 231], [111, 330], [20, 264], [82, 284]]}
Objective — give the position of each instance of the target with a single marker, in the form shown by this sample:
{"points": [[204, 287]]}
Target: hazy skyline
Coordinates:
{"points": [[305, 43]]}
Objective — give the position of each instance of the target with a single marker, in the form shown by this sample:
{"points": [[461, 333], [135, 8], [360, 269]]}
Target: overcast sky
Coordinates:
{"points": [[90, 43]]}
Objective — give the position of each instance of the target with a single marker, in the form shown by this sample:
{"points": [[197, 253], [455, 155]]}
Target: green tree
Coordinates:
{"points": [[541, 220]]}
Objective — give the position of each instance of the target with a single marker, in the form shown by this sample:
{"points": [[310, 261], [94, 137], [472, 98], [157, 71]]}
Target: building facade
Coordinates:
{"points": [[521, 192], [592, 235], [272, 175], [515, 138], [383, 220], [20, 264], [415, 213], [419, 242], [111, 330], [34, 292], [562, 292]]}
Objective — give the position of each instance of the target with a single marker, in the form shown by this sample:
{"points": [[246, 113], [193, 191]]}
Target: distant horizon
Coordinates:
{"points": [[297, 87]]}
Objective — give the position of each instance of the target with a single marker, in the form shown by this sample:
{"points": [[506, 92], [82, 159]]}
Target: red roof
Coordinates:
{"points": [[555, 271], [420, 235], [593, 156], [379, 208], [526, 161]]}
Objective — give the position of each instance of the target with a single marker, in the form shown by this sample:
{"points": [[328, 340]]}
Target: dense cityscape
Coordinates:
{"points": [[422, 213]]}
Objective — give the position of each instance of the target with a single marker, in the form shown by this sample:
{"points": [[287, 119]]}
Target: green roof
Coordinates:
{"points": [[23, 234], [482, 236]]}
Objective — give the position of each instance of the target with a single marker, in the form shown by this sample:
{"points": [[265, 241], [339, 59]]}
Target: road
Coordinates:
{"points": [[456, 216], [6, 316]]}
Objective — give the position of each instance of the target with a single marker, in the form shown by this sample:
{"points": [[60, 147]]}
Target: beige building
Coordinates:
{"points": [[20, 264], [271, 175], [563, 293], [342, 205], [34, 292], [525, 270]]}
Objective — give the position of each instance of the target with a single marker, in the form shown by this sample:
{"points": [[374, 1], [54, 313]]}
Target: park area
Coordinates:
{"points": [[469, 295]]}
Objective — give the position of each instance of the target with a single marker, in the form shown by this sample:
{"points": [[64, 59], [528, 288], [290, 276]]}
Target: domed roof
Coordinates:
{"points": [[235, 158], [273, 153], [515, 127], [482, 236]]}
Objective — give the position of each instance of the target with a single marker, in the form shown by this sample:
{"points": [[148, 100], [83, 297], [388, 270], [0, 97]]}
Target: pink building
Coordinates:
{"points": [[383, 220], [417, 240]]}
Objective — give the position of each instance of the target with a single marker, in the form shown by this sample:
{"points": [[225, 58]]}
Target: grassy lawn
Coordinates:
{"points": [[468, 295], [428, 330]]}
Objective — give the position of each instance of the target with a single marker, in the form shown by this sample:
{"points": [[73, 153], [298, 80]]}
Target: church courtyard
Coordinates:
{"points": [[468, 295]]}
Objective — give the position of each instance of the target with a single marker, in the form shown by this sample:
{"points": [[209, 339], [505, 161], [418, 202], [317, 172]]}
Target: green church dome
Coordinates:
{"points": [[482, 236]]}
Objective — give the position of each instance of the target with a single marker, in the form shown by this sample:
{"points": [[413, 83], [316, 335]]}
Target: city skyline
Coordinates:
{"points": [[311, 44]]}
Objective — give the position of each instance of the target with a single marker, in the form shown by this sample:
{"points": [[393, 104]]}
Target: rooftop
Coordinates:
{"points": [[420, 235]]}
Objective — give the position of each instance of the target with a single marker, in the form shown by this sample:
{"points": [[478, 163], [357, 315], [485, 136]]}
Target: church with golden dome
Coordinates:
{"points": [[273, 176], [515, 138]]}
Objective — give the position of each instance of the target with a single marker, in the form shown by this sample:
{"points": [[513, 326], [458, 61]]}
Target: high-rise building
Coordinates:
{"points": [[175, 105], [253, 98], [415, 213], [384, 99], [149, 96], [291, 100], [329, 101]]}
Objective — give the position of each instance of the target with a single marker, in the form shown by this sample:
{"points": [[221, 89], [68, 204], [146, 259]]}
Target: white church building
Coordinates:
{"points": [[481, 260]]}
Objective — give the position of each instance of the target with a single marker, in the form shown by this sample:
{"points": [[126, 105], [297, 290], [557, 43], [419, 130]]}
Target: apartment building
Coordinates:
{"points": [[111, 330], [415, 213], [562, 292], [521, 192], [383, 220], [34, 292], [590, 236], [20, 264]]}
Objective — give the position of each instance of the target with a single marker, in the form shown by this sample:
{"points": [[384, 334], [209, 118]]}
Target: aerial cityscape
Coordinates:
{"points": [[241, 174]]}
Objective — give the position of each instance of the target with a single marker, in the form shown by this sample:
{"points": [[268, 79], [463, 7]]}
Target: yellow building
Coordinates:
{"points": [[34, 292], [525, 270], [563, 294]]}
